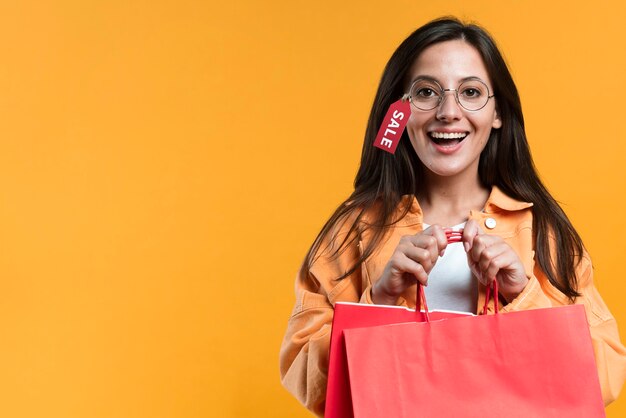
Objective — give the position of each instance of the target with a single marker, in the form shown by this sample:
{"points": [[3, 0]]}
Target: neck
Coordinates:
{"points": [[447, 201]]}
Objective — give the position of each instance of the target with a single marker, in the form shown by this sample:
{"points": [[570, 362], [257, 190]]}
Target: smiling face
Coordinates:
{"points": [[449, 139]]}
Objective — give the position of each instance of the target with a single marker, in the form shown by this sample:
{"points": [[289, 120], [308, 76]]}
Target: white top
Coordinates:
{"points": [[451, 285]]}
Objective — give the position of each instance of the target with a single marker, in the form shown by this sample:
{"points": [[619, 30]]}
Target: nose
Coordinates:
{"points": [[449, 109]]}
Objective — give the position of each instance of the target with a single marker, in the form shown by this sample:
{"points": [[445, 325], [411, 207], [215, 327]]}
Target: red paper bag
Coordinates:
{"points": [[536, 363], [353, 315]]}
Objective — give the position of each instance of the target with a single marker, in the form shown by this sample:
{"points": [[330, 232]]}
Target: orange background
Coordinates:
{"points": [[164, 166]]}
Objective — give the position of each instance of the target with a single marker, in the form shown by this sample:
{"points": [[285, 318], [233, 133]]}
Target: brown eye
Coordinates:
{"points": [[471, 93], [425, 92]]}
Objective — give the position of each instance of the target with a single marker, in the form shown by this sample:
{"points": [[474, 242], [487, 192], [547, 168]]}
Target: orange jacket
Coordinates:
{"points": [[304, 351]]}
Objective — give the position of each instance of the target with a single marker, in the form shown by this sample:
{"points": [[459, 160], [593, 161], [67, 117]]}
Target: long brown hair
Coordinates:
{"points": [[506, 162]]}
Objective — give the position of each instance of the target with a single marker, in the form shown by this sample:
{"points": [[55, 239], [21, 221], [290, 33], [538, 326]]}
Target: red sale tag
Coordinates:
{"points": [[391, 129]]}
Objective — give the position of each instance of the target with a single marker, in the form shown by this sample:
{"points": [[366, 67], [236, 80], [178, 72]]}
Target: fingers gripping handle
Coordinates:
{"points": [[456, 236]]}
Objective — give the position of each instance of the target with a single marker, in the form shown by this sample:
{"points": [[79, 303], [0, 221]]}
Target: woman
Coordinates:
{"points": [[463, 162]]}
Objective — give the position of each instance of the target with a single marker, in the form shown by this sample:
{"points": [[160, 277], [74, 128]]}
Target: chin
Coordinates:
{"points": [[449, 170]]}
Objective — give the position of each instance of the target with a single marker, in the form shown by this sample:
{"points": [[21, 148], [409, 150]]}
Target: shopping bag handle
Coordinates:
{"points": [[488, 294], [421, 299]]}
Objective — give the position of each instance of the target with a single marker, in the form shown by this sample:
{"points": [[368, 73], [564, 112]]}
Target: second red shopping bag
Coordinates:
{"points": [[535, 363]]}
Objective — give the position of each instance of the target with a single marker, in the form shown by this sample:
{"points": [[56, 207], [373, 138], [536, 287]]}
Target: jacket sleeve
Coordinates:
{"points": [[610, 353], [304, 352]]}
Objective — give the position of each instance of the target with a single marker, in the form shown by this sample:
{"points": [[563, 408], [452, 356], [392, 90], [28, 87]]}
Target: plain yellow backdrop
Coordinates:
{"points": [[164, 166]]}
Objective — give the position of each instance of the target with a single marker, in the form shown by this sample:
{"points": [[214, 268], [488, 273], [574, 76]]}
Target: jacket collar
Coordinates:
{"points": [[499, 201], [496, 202]]}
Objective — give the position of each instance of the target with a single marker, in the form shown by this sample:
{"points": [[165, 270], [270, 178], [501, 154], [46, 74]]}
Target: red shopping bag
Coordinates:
{"points": [[536, 363], [353, 315]]}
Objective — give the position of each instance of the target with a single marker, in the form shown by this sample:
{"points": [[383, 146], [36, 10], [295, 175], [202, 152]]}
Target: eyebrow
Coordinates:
{"points": [[429, 77]]}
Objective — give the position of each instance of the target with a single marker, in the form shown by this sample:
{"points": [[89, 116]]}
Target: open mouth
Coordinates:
{"points": [[447, 139]]}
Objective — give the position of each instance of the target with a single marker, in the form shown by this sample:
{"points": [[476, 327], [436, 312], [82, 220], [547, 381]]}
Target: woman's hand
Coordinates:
{"points": [[490, 258], [413, 258]]}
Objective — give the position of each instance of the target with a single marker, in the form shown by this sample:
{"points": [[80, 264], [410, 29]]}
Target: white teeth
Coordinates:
{"points": [[448, 135]]}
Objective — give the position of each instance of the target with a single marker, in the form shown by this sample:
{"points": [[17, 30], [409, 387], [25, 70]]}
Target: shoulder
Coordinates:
{"points": [[363, 219], [356, 233]]}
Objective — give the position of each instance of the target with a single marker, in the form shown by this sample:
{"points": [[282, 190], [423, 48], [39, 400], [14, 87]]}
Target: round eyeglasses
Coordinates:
{"points": [[427, 94]]}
